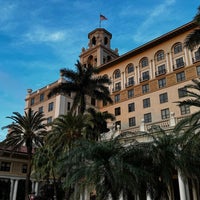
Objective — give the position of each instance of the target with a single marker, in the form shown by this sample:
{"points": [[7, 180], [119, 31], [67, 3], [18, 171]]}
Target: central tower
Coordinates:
{"points": [[99, 51]]}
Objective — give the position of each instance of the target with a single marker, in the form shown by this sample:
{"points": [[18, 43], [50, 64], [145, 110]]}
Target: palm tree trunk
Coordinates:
{"points": [[28, 177]]}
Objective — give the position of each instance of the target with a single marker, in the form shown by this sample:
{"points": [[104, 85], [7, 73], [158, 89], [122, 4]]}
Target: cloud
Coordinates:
{"points": [[41, 34], [153, 16]]}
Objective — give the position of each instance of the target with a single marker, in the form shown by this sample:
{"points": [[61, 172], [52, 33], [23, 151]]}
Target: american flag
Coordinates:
{"points": [[102, 17]]}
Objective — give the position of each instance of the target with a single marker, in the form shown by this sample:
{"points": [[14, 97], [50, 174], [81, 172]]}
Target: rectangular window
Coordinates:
{"points": [[117, 98], [179, 62], [165, 113], [180, 76], [117, 86], [132, 121], [40, 109], [42, 97], [185, 109], [131, 107], [130, 93], [49, 120], [197, 56], [145, 76], [198, 70], [5, 166], [147, 118], [130, 81], [161, 70], [50, 108], [146, 103], [24, 168], [162, 82], [117, 111], [163, 97], [32, 101], [145, 88], [182, 92]]}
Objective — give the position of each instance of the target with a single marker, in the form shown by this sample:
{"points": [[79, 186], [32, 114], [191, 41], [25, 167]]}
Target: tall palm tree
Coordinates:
{"points": [[193, 39], [83, 82], [98, 123], [29, 131]]}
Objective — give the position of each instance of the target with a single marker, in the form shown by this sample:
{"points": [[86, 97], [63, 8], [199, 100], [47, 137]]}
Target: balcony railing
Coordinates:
{"points": [[178, 65], [144, 78], [130, 83], [161, 72], [115, 89], [196, 59]]}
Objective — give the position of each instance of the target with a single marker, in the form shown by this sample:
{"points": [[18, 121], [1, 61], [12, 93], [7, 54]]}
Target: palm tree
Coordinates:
{"points": [[190, 124], [107, 165], [66, 129], [45, 162], [28, 130], [98, 124], [83, 82], [193, 39], [164, 156]]}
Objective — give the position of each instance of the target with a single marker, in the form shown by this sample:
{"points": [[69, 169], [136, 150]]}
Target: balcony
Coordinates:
{"points": [[144, 78], [196, 59], [129, 84], [116, 89], [161, 72], [178, 65]]}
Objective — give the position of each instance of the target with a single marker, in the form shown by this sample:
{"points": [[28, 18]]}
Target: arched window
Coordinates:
{"points": [[144, 62], [117, 73], [160, 55], [93, 41], [105, 41], [130, 68], [178, 48]]}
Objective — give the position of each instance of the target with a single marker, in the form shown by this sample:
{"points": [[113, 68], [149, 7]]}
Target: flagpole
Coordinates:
{"points": [[99, 20]]}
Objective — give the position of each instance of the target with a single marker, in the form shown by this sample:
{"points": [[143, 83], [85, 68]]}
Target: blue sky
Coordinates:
{"points": [[38, 38]]}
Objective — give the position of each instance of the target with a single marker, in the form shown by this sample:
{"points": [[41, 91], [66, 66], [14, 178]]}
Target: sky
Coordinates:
{"points": [[38, 38]]}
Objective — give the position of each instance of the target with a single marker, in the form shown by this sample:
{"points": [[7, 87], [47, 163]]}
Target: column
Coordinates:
{"points": [[138, 74], [186, 57], [11, 188], [36, 188], [171, 63], [15, 190], [152, 69], [142, 125], [148, 197], [167, 62], [190, 56], [181, 187]]}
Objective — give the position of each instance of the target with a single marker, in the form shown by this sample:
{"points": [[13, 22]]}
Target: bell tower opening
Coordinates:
{"points": [[99, 50]]}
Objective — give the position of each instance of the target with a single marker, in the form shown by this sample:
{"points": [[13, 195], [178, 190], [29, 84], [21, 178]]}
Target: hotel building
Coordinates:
{"points": [[146, 82]]}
